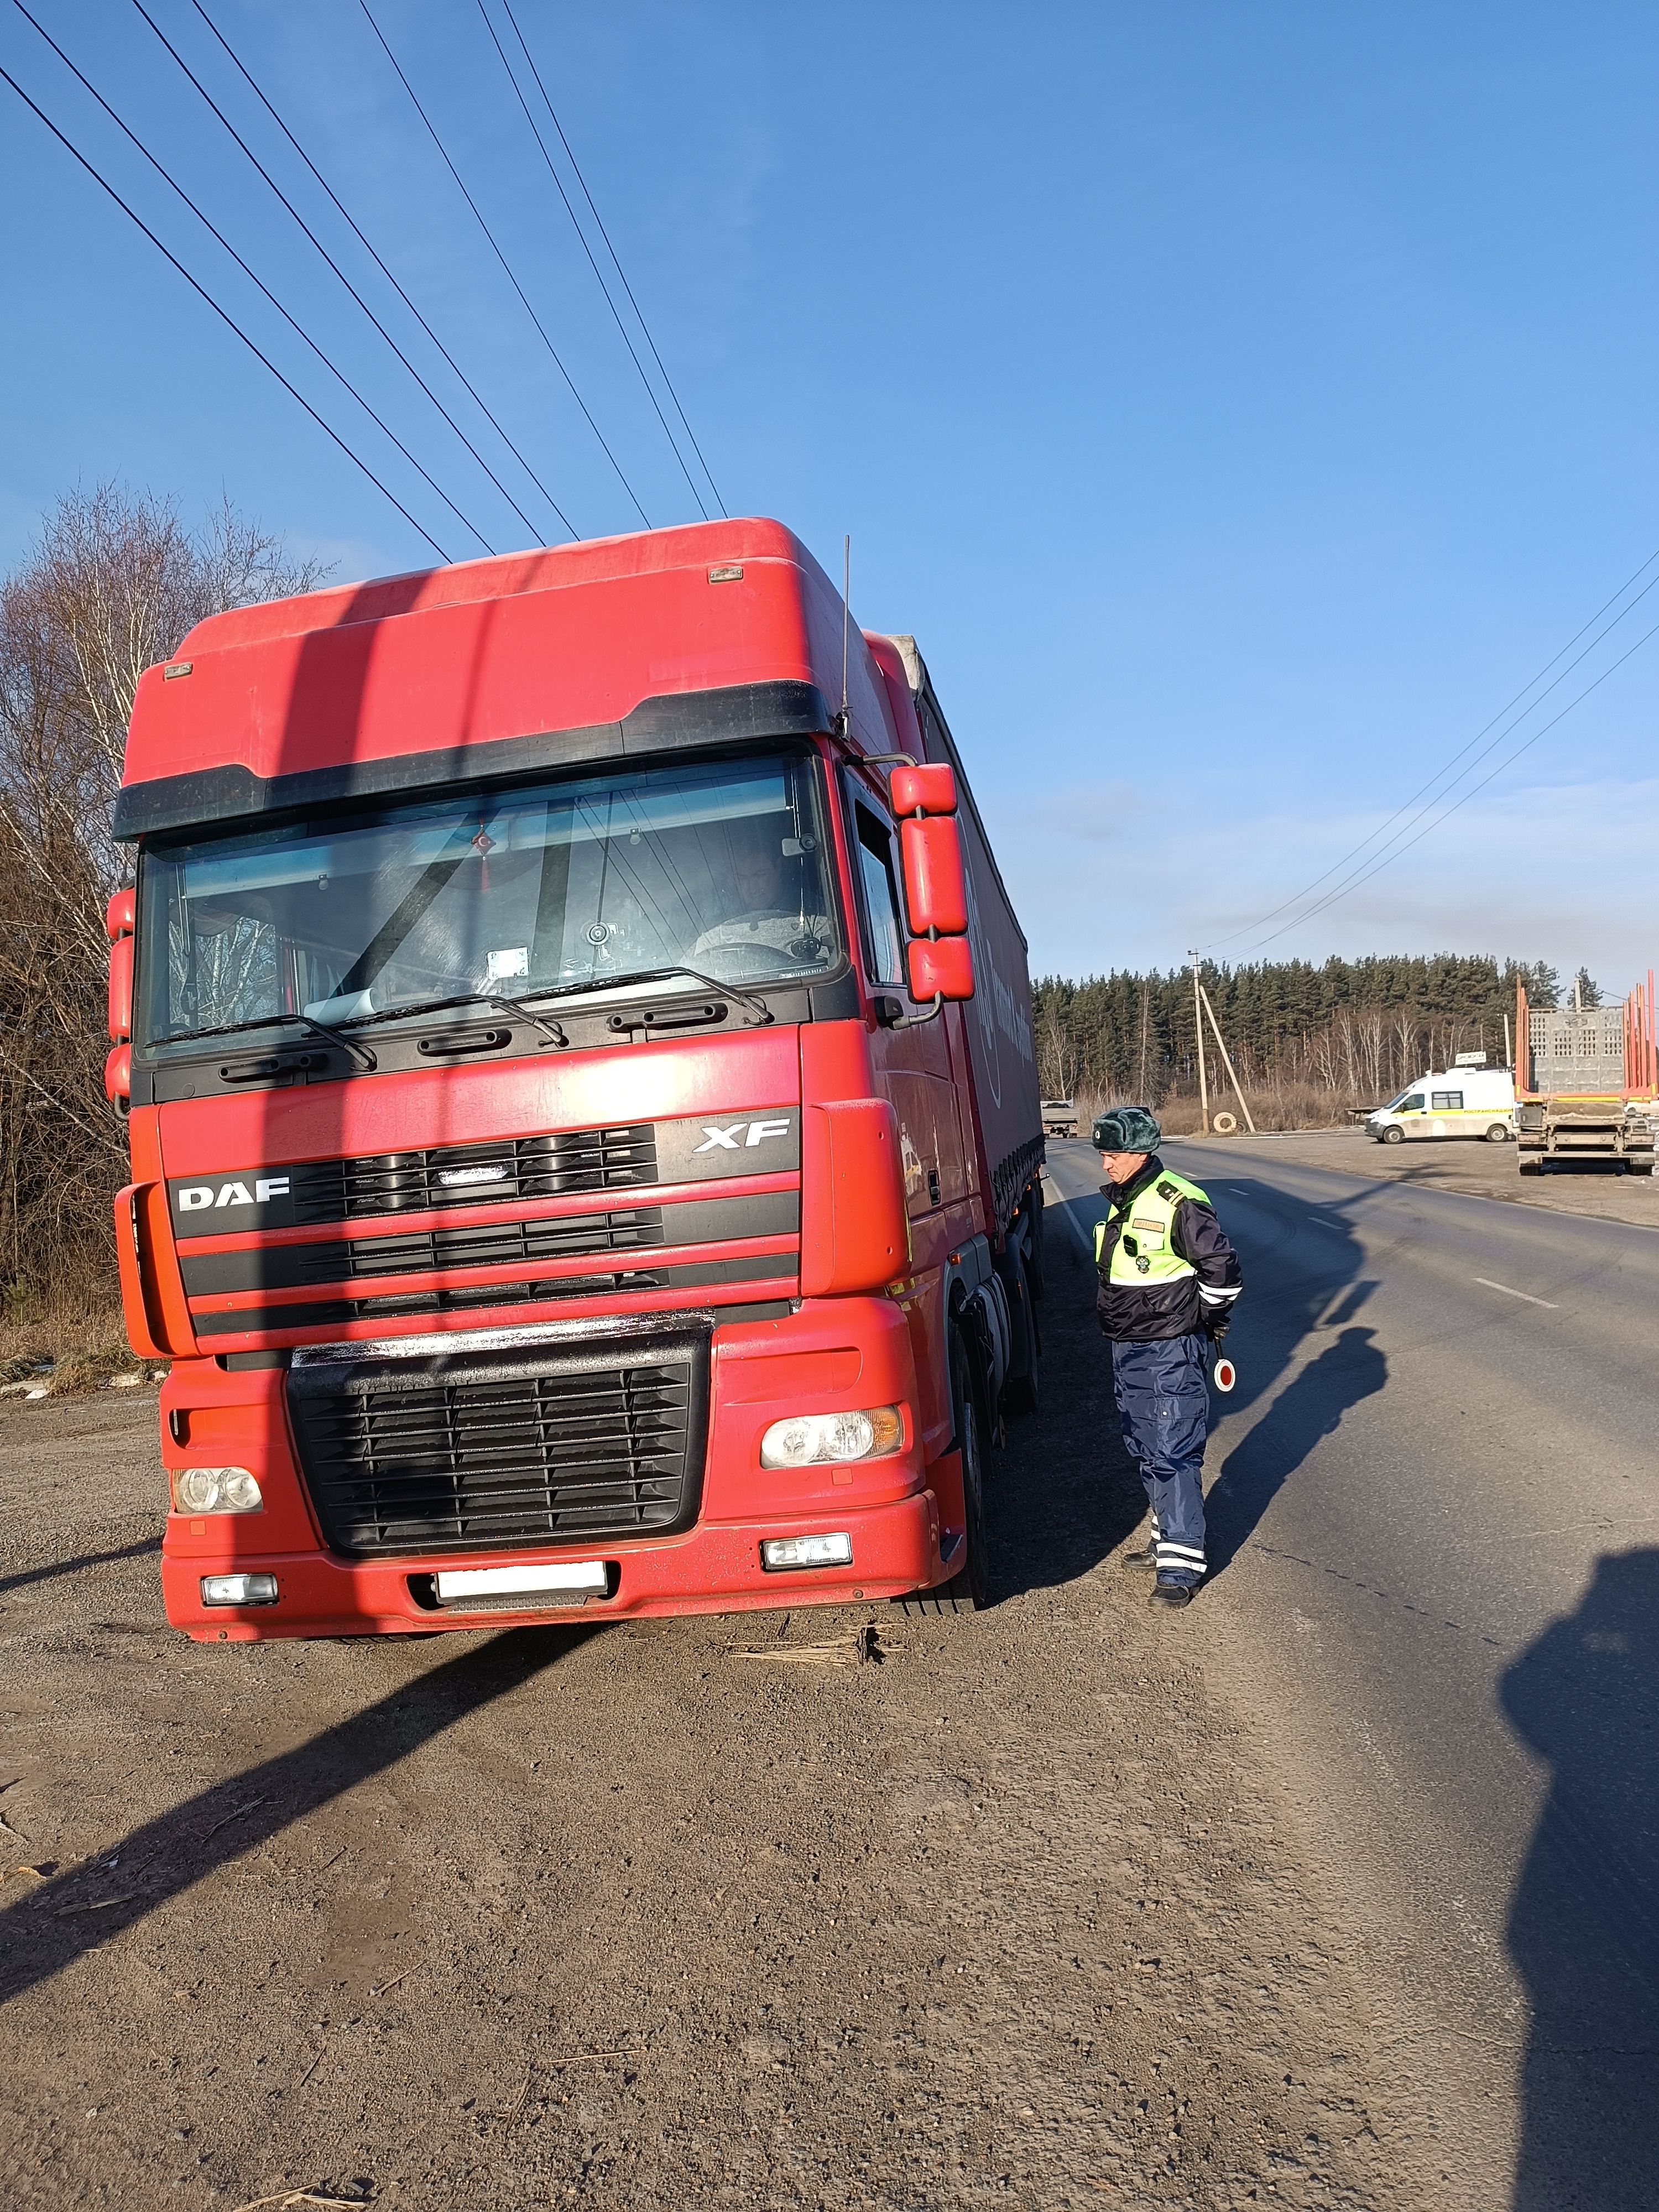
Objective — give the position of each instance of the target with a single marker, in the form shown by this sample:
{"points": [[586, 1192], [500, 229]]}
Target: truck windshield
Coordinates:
{"points": [[717, 865]]}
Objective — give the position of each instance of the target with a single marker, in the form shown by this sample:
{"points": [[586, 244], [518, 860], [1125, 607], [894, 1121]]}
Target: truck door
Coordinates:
{"points": [[1410, 1111], [914, 1064], [913, 1071]]}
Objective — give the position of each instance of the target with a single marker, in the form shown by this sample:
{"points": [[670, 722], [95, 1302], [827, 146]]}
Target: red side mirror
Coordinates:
{"points": [[929, 789], [120, 989], [120, 915], [935, 891], [941, 967]]}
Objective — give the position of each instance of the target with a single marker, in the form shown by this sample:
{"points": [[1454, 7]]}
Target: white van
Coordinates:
{"points": [[1463, 1101]]}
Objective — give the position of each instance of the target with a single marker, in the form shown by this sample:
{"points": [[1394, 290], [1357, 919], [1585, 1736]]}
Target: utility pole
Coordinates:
{"points": [[1198, 1025], [1227, 1060]]}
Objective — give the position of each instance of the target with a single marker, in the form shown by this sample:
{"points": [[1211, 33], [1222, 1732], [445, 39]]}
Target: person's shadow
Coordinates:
{"points": [[1583, 1928], [1351, 1368]]}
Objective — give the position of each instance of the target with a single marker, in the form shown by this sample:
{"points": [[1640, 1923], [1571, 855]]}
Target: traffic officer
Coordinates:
{"points": [[1168, 1281]]}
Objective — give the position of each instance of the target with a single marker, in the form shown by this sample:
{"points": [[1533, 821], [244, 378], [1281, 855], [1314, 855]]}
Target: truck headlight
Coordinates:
{"points": [[214, 1490], [809, 1439]]}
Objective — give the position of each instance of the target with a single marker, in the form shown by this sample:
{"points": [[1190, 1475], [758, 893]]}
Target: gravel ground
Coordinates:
{"points": [[702, 1911]]}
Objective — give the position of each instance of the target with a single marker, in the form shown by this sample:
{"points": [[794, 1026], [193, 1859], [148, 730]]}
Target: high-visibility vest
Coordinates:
{"points": [[1144, 1253]]}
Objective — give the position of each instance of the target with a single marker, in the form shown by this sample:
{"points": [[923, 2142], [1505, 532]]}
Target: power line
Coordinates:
{"points": [[1441, 772], [1384, 860], [503, 258], [345, 212], [592, 264], [202, 290], [222, 241], [338, 271], [611, 250]]}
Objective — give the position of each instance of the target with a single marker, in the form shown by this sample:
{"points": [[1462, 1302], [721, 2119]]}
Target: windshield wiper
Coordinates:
{"points": [[522, 1005], [360, 1052], [550, 1031], [758, 1006]]}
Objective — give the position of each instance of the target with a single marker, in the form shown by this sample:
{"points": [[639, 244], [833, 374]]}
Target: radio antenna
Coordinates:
{"points": [[844, 719]]}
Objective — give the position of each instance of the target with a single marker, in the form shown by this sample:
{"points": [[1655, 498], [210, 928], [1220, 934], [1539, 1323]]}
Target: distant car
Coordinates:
{"points": [[1059, 1118]]}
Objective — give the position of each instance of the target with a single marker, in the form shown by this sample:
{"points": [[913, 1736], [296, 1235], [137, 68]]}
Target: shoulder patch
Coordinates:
{"points": [[1172, 1190]]}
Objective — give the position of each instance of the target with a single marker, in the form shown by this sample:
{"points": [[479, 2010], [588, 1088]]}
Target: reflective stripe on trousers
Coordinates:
{"points": [[1163, 1407]]}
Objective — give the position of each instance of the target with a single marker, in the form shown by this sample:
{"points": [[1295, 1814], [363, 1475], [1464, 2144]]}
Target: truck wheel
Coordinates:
{"points": [[1639, 1167], [968, 1590], [1393, 1134], [1499, 1133], [1531, 1167], [1021, 1393], [1033, 1272]]}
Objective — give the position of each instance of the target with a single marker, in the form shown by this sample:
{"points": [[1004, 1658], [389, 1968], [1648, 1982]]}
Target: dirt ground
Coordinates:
{"points": [[1601, 1189], [703, 1911]]}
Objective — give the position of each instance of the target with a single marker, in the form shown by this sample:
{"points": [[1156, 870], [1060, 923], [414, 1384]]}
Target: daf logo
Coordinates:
{"points": [[728, 1140], [196, 1198]]}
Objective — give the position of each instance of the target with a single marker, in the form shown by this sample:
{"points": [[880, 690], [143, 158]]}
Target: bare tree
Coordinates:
{"points": [[111, 585]]}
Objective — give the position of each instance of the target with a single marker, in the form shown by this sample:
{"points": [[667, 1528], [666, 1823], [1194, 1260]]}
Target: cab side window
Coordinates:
{"points": [[1414, 1104], [883, 932]]}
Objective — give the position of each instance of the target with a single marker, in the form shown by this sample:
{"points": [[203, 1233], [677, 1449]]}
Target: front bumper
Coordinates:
{"points": [[714, 1568], [825, 1357]]}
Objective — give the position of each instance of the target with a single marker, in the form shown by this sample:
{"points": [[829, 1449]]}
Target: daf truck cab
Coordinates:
{"points": [[584, 1119]]}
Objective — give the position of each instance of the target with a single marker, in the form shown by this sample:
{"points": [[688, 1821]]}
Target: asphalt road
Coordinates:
{"points": [[1434, 1531]]}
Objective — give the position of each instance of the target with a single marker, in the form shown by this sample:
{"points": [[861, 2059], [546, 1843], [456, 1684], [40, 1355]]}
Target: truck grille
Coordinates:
{"points": [[478, 1174], [476, 1450]]}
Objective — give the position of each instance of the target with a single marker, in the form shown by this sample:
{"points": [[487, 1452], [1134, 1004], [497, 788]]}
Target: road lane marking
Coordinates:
{"points": [[1072, 1221], [1324, 1223], [1487, 1286]]}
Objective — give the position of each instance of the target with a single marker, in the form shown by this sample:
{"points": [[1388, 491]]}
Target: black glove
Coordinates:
{"points": [[1218, 1319]]}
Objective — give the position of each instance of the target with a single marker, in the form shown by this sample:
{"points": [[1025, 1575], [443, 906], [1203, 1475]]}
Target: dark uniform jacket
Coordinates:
{"points": [[1136, 1313]]}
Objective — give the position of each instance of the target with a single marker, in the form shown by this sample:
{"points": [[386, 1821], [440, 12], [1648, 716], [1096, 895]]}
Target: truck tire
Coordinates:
{"points": [[1499, 1133], [1639, 1167], [1393, 1134], [1531, 1167], [968, 1590], [1033, 1254], [1022, 1392]]}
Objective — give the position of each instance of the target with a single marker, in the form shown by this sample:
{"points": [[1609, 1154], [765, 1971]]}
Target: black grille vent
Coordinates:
{"points": [[511, 1168], [478, 1451], [486, 1244]]}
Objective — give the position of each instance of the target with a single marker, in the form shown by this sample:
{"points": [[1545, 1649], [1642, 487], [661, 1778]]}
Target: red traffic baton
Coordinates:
{"points": [[1224, 1374]]}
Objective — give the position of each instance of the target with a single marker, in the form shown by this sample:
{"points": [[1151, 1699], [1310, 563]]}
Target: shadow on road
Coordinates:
{"points": [[49, 1929], [1352, 1368], [1063, 1493], [55, 1567], [1583, 1929]]}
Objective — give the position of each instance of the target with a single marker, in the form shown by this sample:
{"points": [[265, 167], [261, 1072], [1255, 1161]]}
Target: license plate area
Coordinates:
{"points": [[559, 1579]]}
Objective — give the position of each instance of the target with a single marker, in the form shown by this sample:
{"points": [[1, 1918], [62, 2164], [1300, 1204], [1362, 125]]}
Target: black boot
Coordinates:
{"points": [[1145, 1559], [1170, 1595]]}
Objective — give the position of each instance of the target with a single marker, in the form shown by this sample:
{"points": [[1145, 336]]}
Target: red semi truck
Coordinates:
{"points": [[584, 1123]]}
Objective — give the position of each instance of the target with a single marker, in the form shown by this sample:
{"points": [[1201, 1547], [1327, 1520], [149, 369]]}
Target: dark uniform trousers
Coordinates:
{"points": [[1163, 1409]]}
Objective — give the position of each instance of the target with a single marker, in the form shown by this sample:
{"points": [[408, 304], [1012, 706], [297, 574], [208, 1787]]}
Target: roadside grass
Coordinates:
{"points": [[1284, 1106], [70, 1348]]}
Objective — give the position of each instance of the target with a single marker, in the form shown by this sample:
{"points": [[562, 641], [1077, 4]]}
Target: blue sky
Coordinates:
{"points": [[1239, 402]]}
